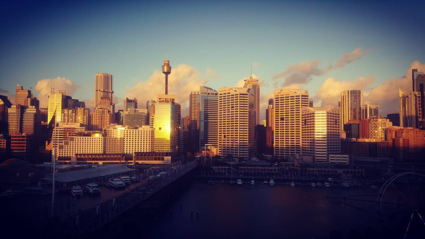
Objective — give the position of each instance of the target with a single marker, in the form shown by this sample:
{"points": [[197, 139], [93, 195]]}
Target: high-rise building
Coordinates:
{"points": [[203, 112], [320, 133], [103, 89], [394, 118], [194, 113], [81, 144], [77, 115], [350, 106], [63, 131], [177, 131], [22, 96], [31, 121], [15, 115], [410, 109], [287, 121], [164, 124], [130, 104], [377, 127], [352, 129], [150, 106], [270, 115], [135, 117], [419, 86], [101, 118], [252, 83], [370, 111], [236, 122], [58, 102], [139, 140], [5, 104]]}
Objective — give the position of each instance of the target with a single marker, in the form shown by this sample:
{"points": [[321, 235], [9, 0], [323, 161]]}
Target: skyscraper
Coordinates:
{"points": [[370, 111], [236, 122], [350, 106], [410, 109], [287, 120], [320, 133], [270, 115], [5, 104], [22, 96], [135, 117], [130, 104], [252, 83], [103, 88], [164, 124], [203, 112], [419, 86]]}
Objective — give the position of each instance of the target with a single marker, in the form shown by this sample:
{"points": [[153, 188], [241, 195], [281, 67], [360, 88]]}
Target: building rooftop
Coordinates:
{"points": [[83, 174]]}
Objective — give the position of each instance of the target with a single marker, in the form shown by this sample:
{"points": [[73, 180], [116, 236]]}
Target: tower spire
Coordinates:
{"points": [[166, 69]]}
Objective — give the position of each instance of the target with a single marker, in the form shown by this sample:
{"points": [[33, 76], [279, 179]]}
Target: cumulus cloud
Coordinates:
{"points": [[8, 95], [182, 80], [296, 76], [384, 94], [59, 83], [329, 91], [210, 73]]}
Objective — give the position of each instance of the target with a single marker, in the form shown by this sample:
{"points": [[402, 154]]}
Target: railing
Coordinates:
{"points": [[95, 217]]}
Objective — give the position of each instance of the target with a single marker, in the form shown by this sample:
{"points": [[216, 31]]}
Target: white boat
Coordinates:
{"points": [[313, 184], [252, 182], [271, 182], [93, 188], [292, 184], [116, 183], [239, 182], [76, 191], [319, 184], [126, 180], [327, 184]]}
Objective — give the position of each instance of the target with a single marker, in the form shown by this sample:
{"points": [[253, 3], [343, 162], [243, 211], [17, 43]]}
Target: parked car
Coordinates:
{"points": [[93, 188], [116, 183], [126, 180], [77, 191]]}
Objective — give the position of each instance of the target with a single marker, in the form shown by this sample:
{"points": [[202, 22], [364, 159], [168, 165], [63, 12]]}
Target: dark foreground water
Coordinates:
{"points": [[261, 211]]}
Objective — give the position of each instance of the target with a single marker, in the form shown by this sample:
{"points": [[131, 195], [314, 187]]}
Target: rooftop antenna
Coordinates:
{"points": [[166, 55]]}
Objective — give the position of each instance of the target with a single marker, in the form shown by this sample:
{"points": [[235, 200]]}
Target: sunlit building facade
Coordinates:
{"points": [[320, 133], [103, 89], [138, 140], [351, 106], [236, 122], [101, 118], [288, 123], [90, 144], [164, 124], [252, 83]]}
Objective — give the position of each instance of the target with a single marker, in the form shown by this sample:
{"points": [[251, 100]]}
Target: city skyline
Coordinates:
{"points": [[369, 60]]}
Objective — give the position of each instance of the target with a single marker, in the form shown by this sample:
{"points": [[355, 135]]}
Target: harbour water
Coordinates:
{"points": [[262, 211]]}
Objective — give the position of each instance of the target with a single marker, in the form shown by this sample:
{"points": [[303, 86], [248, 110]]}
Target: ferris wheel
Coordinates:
{"points": [[402, 198]]}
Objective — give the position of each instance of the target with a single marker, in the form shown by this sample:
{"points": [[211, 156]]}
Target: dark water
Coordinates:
{"points": [[261, 211]]}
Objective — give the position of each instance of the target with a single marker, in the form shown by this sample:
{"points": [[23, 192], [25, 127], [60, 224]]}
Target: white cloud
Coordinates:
{"points": [[59, 83], [296, 76]]}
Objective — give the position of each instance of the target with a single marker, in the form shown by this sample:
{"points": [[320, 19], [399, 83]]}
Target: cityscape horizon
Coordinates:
{"points": [[270, 119]]}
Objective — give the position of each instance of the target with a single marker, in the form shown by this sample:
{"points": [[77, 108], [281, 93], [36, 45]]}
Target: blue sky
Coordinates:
{"points": [[77, 39]]}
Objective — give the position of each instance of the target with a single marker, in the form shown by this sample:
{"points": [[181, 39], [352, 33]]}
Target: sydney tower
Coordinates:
{"points": [[166, 69]]}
